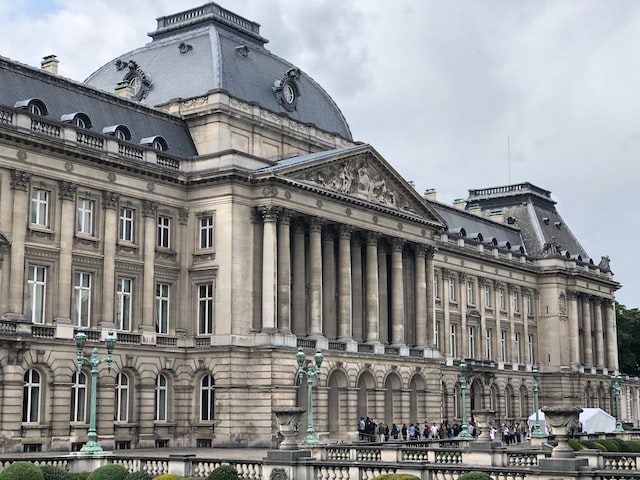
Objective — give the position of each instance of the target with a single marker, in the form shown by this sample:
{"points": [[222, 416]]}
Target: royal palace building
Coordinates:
{"points": [[204, 199]]}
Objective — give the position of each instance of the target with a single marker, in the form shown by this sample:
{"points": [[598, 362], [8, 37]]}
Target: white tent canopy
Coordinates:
{"points": [[593, 420]]}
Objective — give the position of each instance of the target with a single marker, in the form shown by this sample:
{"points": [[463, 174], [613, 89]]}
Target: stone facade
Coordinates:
{"points": [[214, 268]]}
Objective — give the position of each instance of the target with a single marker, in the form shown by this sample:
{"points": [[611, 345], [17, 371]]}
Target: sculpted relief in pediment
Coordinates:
{"points": [[358, 178]]}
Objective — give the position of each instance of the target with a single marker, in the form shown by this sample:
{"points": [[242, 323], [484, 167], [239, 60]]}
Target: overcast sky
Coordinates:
{"points": [[436, 87]]}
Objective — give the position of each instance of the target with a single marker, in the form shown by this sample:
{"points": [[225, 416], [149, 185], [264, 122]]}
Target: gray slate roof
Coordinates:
{"points": [[213, 63], [63, 96]]}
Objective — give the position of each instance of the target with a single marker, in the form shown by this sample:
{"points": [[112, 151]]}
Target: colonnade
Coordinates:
{"points": [[322, 279]]}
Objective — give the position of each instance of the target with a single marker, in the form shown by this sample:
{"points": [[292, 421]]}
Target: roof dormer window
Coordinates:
{"points": [[121, 132], [156, 142], [77, 119], [34, 106]]}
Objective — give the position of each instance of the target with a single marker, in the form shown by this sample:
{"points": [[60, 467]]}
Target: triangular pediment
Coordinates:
{"points": [[362, 174]]}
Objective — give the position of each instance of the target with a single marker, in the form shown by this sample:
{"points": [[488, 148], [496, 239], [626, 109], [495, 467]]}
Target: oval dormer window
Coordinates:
{"points": [[120, 132], [158, 145], [77, 119], [34, 106], [156, 142]]}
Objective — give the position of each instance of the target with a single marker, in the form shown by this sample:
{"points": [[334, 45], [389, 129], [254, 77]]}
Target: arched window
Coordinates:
{"points": [[161, 398], [77, 119], [122, 398], [31, 397], [34, 106], [207, 391], [78, 397], [156, 142]]}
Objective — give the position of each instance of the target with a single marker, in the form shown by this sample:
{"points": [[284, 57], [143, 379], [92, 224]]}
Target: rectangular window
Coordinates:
{"points": [[84, 216], [162, 308], [206, 232], [125, 224], [164, 232], [502, 299], [452, 289], [81, 299], [515, 302], [36, 293], [488, 353], [436, 286], [487, 296], [205, 309], [124, 293], [472, 342], [453, 350], [503, 345], [529, 305], [516, 347], [40, 207], [530, 349], [470, 299], [437, 333]]}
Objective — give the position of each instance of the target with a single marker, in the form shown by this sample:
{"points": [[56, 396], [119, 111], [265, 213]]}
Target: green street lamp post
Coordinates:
{"points": [[92, 446], [464, 428], [615, 383], [312, 371], [537, 429]]}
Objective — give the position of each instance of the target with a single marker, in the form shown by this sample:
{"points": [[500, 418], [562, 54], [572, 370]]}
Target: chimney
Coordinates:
{"points": [[50, 64], [475, 209], [459, 203], [496, 215], [430, 194], [123, 89]]}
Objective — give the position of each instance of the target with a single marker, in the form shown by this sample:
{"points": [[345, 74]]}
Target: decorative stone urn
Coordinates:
{"points": [[483, 420], [561, 420], [288, 418]]}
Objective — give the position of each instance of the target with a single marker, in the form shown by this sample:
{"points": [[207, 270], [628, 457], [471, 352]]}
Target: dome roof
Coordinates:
{"points": [[209, 48]]}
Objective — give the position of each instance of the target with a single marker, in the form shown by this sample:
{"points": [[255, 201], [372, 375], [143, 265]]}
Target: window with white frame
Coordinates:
{"points": [[487, 296], [472, 342], [164, 231], [453, 346], [530, 349], [470, 297], [515, 301], [78, 397], [501, 299], [125, 224], [207, 398], [529, 305], [436, 286], [436, 333], [516, 347], [84, 216], [488, 353], [503, 345], [124, 294], [40, 207], [32, 389], [452, 289], [36, 293], [205, 309], [161, 398], [81, 299], [206, 231], [122, 397], [162, 308]]}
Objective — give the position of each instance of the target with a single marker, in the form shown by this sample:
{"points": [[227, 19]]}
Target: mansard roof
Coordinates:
{"points": [[357, 173]]}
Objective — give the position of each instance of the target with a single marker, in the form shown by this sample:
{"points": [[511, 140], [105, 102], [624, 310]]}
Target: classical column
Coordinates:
{"points": [[20, 185], [597, 321], [269, 267], [446, 299], [344, 283], [462, 337], [498, 309], [525, 322], [67, 195], [315, 280], [372, 291], [110, 205], [397, 294], [511, 292], [586, 330], [284, 272], [299, 281], [431, 307], [184, 323], [383, 294], [329, 318], [481, 286], [574, 328], [356, 289], [421, 296], [149, 213], [612, 335]]}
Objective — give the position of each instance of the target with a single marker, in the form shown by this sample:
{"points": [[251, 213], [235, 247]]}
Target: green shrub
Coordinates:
{"points": [[139, 476], [622, 445], [397, 476], [167, 476], [54, 473], [21, 471], [594, 445], [575, 444], [109, 472], [475, 476], [224, 472], [80, 476], [633, 445], [609, 445]]}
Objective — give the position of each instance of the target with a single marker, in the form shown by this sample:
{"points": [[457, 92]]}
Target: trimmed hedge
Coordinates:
{"points": [[21, 471], [139, 476], [475, 476], [224, 472], [167, 476], [634, 446], [80, 476], [54, 473], [109, 472], [575, 444], [397, 476]]}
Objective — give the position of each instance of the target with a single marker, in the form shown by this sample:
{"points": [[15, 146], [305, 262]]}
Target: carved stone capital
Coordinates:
{"points": [[345, 232], [268, 213], [430, 252], [397, 245], [462, 276], [20, 180], [420, 250], [315, 224], [513, 288], [149, 208], [499, 284], [447, 273], [110, 200], [67, 190], [597, 300], [183, 216], [484, 281], [285, 217], [299, 226]]}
